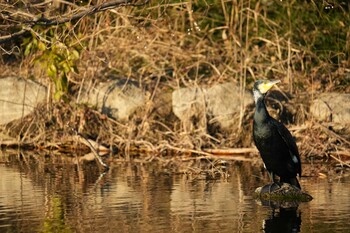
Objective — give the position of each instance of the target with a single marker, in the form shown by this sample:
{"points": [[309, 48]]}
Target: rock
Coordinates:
{"points": [[284, 196], [189, 106], [19, 97], [219, 104], [162, 106], [282, 192], [224, 104], [333, 108], [117, 99]]}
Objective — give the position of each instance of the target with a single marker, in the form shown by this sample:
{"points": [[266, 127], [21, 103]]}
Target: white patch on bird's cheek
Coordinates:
{"points": [[257, 95], [261, 89]]}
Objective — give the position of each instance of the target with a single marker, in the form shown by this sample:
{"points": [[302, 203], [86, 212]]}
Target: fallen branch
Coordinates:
{"points": [[231, 151], [92, 148], [185, 150], [88, 142], [236, 153], [225, 157]]}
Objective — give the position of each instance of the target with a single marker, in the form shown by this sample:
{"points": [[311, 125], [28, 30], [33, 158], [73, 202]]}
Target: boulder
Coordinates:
{"points": [[224, 102], [19, 97], [333, 108], [118, 99], [219, 104]]}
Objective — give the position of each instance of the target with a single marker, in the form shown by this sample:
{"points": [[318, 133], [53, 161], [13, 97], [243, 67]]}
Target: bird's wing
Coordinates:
{"points": [[290, 142]]}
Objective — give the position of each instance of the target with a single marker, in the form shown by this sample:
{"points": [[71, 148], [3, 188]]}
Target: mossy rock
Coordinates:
{"points": [[282, 192]]}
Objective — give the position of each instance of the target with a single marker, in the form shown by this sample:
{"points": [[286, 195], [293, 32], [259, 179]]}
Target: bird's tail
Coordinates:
{"points": [[291, 180]]}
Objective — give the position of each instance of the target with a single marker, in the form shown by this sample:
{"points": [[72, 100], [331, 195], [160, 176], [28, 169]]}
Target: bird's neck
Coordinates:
{"points": [[261, 114]]}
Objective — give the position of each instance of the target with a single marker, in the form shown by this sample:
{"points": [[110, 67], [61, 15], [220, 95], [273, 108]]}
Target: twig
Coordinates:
{"points": [[342, 153], [4, 39], [92, 148], [89, 11], [340, 161], [330, 132], [89, 142]]}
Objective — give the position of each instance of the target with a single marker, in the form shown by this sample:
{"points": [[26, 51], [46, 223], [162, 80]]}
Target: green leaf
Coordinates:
{"points": [[66, 67], [28, 49], [35, 42], [58, 95], [41, 46], [52, 71], [64, 83], [74, 69], [26, 41], [75, 54]]}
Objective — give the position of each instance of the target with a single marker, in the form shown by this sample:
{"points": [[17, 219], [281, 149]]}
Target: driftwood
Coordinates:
{"points": [[231, 151]]}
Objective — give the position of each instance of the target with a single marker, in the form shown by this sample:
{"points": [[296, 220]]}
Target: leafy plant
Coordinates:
{"points": [[56, 55]]}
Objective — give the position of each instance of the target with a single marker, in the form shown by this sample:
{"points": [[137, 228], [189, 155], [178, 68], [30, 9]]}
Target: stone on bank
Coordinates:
{"points": [[118, 99], [19, 97], [220, 104], [332, 109]]}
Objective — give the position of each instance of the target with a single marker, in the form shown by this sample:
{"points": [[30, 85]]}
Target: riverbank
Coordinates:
{"points": [[145, 135], [185, 72]]}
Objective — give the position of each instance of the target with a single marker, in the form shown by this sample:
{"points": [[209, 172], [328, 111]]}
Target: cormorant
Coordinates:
{"points": [[275, 143]]}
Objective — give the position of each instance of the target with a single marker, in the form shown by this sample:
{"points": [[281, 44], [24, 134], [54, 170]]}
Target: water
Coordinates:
{"points": [[52, 194]]}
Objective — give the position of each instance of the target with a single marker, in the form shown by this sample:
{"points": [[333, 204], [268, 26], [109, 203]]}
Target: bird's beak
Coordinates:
{"points": [[265, 87]]}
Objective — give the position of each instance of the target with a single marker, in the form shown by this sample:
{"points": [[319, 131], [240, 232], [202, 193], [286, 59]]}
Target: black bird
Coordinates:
{"points": [[275, 143]]}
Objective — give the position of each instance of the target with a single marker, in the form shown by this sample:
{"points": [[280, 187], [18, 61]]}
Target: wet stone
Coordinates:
{"points": [[283, 192]]}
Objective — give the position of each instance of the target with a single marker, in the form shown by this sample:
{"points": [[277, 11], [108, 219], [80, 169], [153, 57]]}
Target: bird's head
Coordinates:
{"points": [[263, 86]]}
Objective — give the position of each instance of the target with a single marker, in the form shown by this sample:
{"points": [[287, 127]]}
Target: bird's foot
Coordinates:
{"points": [[274, 186], [269, 188]]}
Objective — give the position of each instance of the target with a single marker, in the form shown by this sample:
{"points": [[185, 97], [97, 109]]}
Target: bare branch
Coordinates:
{"points": [[4, 39], [26, 25]]}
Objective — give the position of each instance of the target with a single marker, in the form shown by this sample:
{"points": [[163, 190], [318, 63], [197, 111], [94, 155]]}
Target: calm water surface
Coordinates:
{"points": [[39, 194]]}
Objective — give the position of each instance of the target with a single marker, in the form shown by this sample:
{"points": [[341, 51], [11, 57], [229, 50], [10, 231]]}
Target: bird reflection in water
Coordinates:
{"points": [[284, 220]]}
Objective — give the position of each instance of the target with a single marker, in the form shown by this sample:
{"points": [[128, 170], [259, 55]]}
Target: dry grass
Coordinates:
{"points": [[169, 45]]}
